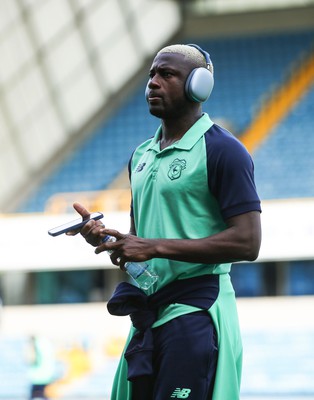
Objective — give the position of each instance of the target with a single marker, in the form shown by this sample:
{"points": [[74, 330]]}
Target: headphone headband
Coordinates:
{"points": [[205, 54]]}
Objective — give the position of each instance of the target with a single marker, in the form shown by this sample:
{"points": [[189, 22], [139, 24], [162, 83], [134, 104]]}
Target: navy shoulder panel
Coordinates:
{"points": [[230, 171]]}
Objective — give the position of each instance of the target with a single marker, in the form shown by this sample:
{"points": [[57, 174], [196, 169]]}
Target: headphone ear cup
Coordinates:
{"points": [[146, 92], [199, 84]]}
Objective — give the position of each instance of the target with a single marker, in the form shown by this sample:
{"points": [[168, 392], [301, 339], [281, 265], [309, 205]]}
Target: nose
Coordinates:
{"points": [[151, 85], [153, 82]]}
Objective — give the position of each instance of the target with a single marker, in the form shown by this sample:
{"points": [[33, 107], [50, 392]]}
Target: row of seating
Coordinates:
{"points": [[284, 163], [246, 70]]}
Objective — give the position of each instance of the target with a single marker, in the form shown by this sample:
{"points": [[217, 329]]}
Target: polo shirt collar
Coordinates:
{"points": [[190, 137]]}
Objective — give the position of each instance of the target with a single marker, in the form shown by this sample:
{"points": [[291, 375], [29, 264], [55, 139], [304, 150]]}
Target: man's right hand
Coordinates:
{"points": [[92, 231]]}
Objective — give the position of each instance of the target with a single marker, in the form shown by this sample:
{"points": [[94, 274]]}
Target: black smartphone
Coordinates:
{"points": [[73, 225]]}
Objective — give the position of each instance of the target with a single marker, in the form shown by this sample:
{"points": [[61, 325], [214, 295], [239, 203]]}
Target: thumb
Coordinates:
{"points": [[81, 210]]}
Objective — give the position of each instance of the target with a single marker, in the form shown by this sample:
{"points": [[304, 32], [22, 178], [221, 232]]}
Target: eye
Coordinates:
{"points": [[166, 74]]}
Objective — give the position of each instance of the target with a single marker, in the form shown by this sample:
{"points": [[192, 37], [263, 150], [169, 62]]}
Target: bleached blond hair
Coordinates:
{"points": [[190, 53]]}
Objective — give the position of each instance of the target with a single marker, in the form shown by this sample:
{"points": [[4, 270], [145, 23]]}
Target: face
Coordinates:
{"points": [[165, 88]]}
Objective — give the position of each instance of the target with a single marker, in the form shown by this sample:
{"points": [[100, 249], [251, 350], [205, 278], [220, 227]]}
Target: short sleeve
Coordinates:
{"points": [[230, 171]]}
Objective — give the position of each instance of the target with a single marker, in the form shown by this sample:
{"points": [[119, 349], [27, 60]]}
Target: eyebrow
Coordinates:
{"points": [[164, 67]]}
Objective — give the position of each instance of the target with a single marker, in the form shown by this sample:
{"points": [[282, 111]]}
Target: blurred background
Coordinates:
{"points": [[72, 109]]}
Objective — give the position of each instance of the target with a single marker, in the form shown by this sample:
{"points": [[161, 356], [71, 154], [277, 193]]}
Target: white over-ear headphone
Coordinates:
{"points": [[200, 82]]}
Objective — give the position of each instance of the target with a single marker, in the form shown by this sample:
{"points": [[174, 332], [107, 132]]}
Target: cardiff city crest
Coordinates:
{"points": [[176, 167]]}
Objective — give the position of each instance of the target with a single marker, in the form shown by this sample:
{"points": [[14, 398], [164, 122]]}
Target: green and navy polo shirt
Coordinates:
{"points": [[189, 189]]}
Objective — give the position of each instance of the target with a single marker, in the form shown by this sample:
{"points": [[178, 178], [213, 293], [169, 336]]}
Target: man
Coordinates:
{"points": [[195, 210]]}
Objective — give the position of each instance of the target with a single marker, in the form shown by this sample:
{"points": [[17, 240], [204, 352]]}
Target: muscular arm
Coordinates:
{"points": [[240, 241]]}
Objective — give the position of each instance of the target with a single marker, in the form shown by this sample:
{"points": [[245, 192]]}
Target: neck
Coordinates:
{"points": [[174, 129]]}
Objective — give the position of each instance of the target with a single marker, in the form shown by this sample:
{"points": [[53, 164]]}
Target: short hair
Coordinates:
{"points": [[189, 52]]}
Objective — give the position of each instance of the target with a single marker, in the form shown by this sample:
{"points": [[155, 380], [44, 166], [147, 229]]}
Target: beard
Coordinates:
{"points": [[173, 111]]}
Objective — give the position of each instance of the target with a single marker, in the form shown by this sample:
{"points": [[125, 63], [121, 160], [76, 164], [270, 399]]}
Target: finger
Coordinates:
{"points": [[112, 232], [92, 233], [88, 228], [100, 249], [81, 210], [72, 233], [106, 244], [109, 245], [117, 260], [121, 262]]}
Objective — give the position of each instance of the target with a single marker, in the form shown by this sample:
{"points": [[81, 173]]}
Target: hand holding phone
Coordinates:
{"points": [[74, 225]]}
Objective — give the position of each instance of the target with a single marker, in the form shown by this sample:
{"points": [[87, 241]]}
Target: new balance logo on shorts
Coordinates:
{"points": [[181, 393]]}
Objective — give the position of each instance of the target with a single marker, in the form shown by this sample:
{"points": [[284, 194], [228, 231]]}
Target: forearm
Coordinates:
{"points": [[240, 241], [220, 248]]}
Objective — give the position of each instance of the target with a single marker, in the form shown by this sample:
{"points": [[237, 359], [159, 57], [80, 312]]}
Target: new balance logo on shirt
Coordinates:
{"points": [[181, 393], [140, 167]]}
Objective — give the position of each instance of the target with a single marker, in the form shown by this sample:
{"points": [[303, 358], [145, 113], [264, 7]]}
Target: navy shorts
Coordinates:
{"points": [[185, 360]]}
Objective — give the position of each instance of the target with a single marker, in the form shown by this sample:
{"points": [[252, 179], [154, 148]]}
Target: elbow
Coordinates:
{"points": [[252, 255], [248, 235], [251, 249]]}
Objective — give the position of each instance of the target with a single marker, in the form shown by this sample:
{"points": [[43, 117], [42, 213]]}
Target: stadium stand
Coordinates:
{"points": [[284, 163], [102, 157], [248, 70]]}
